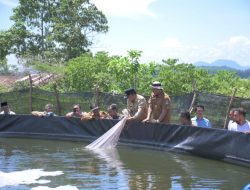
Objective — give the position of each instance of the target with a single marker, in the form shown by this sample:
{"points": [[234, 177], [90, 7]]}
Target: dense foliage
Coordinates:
{"points": [[116, 73]]}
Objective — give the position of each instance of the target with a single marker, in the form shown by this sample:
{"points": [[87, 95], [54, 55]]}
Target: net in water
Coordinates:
{"points": [[110, 138]]}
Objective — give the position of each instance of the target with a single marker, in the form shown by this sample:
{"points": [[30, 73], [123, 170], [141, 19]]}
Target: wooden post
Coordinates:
{"points": [[57, 99], [228, 108], [97, 95], [194, 96], [30, 94]]}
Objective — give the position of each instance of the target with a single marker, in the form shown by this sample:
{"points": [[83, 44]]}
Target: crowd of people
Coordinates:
{"points": [[156, 110]]}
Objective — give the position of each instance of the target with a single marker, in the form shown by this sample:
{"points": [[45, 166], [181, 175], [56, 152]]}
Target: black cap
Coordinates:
{"points": [[129, 92], [4, 104], [94, 107]]}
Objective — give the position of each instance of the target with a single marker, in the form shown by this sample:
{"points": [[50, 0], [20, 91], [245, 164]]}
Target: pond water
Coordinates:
{"points": [[39, 164]]}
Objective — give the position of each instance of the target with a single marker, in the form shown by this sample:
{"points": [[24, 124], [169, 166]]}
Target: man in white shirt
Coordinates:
{"points": [[5, 109], [240, 124], [231, 117]]}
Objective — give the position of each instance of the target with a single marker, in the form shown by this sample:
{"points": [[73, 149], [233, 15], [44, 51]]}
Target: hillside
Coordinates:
{"points": [[228, 65], [222, 63]]}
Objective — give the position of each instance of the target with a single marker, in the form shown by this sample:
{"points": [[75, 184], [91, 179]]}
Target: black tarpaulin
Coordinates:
{"points": [[211, 143]]}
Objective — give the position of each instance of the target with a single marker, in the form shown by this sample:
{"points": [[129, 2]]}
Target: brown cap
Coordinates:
{"points": [[156, 85]]}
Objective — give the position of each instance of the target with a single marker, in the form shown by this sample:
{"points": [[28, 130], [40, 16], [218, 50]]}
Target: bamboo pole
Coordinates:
{"points": [[229, 107], [57, 99], [30, 94], [194, 96]]}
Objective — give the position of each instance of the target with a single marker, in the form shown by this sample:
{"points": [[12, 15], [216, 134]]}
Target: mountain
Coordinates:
{"points": [[218, 65], [223, 63], [201, 64]]}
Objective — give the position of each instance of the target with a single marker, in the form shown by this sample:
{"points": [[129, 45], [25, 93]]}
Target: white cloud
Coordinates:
{"points": [[124, 8], [171, 43], [239, 40], [9, 3], [236, 48]]}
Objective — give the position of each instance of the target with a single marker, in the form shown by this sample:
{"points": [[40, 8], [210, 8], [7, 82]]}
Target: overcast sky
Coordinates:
{"points": [[191, 30]]}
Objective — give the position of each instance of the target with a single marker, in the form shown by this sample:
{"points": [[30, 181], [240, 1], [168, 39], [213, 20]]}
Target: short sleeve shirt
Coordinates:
{"points": [[204, 122], [240, 128], [138, 108], [10, 113], [157, 104]]}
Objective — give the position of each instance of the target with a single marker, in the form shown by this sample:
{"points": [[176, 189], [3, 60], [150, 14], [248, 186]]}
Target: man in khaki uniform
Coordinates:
{"points": [[159, 105], [136, 105]]}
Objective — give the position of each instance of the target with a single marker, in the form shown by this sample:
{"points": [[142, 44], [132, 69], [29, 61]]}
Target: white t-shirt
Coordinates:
{"points": [[231, 122], [240, 128], [10, 113]]}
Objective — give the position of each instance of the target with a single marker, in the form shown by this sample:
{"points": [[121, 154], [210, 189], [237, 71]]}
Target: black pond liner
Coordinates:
{"points": [[219, 144]]}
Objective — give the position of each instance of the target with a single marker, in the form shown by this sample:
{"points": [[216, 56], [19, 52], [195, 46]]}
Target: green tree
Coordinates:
{"points": [[146, 75], [111, 74], [128, 72], [121, 71], [5, 44], [74, 25], [133, 57], [64, 27], [243, 88], [4, 68], [224, 81], [83, 72], [176, 78]]}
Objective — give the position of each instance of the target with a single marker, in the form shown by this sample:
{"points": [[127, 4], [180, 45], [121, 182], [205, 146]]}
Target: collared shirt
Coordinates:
{"points": [[157, 104], [240, 128], [138, 108], [10, 113], [204, 122]]}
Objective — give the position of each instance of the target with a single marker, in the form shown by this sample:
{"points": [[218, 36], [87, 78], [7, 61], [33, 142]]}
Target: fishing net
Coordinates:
{"points": [[110, 138]]}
